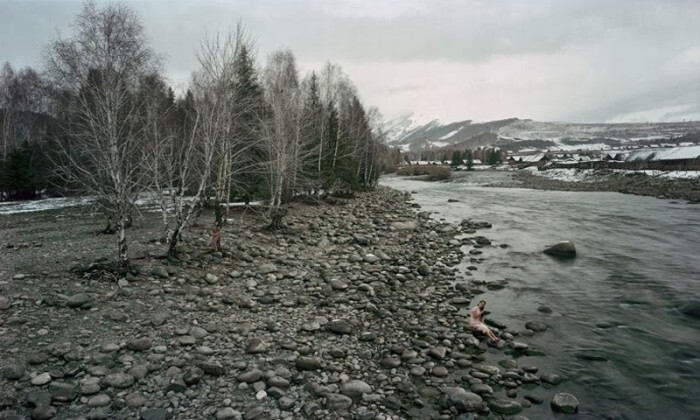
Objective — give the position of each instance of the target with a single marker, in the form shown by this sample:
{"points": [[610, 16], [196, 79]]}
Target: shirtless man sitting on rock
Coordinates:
{"points": [[477, 320]]}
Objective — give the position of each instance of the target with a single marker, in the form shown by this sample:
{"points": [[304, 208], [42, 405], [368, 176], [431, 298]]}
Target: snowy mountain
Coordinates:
{"points": [[408, 133]]}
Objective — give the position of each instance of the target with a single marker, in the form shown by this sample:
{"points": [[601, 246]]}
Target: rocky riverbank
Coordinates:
{"points": [[632, 183], [356, 310]]}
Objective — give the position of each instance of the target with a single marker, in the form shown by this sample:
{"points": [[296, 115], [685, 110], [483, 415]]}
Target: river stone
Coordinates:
{"points": [[340, 327], [371, 258], [254, 413], [563, 249], [212, 368], [79, 300], [4, 303], [277, 382], [354, 388], [256, 346], [135, 400], [361, 240], [338, 401], [438, 352], [250, 376], [565, 403], [193, 376], [390, 362], [160, 272], [211, 278], [504, 406], [38, 398], [307, 363], [337, 284], [155, 414], [404, 226], [462, 400], [228, 413], [101, 400], [267, 268], [424, 270], [440, 372], [481, 388], [536, 326], [41, 379], [551, 378], [139, 344], [44, 412], [118, 380], [13, 372], [62, 392]]}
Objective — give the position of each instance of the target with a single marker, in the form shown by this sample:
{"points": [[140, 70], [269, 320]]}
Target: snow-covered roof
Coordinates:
{"points": [[641, 155], [532, 158], [663, 154], [678, 153]]}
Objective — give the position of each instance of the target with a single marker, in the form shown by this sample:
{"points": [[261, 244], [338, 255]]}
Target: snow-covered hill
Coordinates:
{"points": [[408, 133]]}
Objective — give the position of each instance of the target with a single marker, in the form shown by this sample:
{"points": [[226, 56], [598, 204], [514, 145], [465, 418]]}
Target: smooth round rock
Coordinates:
{"points": [[565, 403]]}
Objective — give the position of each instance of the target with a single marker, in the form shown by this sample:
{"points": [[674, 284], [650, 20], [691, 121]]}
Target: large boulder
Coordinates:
{"points": [[564, 249]]}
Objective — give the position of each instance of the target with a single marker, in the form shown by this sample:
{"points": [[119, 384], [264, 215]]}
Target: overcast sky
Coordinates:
{"points": [[556, 60]]}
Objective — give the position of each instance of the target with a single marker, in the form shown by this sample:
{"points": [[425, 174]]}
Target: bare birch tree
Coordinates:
{"points": [[205, 153], [97, 73], [282, 129]]}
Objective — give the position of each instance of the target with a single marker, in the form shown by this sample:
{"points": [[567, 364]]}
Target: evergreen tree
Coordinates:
{"points": [[470, 159], [456, 159]]}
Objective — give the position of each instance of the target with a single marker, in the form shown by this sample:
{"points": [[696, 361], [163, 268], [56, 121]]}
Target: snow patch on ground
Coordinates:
{"points": [[12, 207]]}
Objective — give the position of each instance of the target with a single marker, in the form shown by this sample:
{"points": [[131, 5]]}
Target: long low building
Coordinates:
{"points": [[672, 158]]}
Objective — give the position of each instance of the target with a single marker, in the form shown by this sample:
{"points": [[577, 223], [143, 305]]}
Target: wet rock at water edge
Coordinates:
{"points": [[505, 406], [461, 400], [563, 249], [565, 403], [536, 326]]}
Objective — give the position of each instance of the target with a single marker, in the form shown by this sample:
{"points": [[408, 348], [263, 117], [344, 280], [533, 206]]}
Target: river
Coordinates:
{"points": [[615, 332]]}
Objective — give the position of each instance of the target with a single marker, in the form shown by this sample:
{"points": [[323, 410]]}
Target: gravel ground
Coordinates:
{"points": [[355, 310]]}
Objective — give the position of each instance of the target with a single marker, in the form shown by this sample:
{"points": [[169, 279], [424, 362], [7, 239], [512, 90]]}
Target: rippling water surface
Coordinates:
{"points": [[615, 331]]}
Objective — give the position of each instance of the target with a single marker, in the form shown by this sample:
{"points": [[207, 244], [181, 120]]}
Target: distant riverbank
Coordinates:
{"points": [[608, 181]]}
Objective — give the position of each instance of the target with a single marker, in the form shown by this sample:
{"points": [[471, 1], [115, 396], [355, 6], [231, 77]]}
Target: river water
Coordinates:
{"points": [[615, 331]]}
